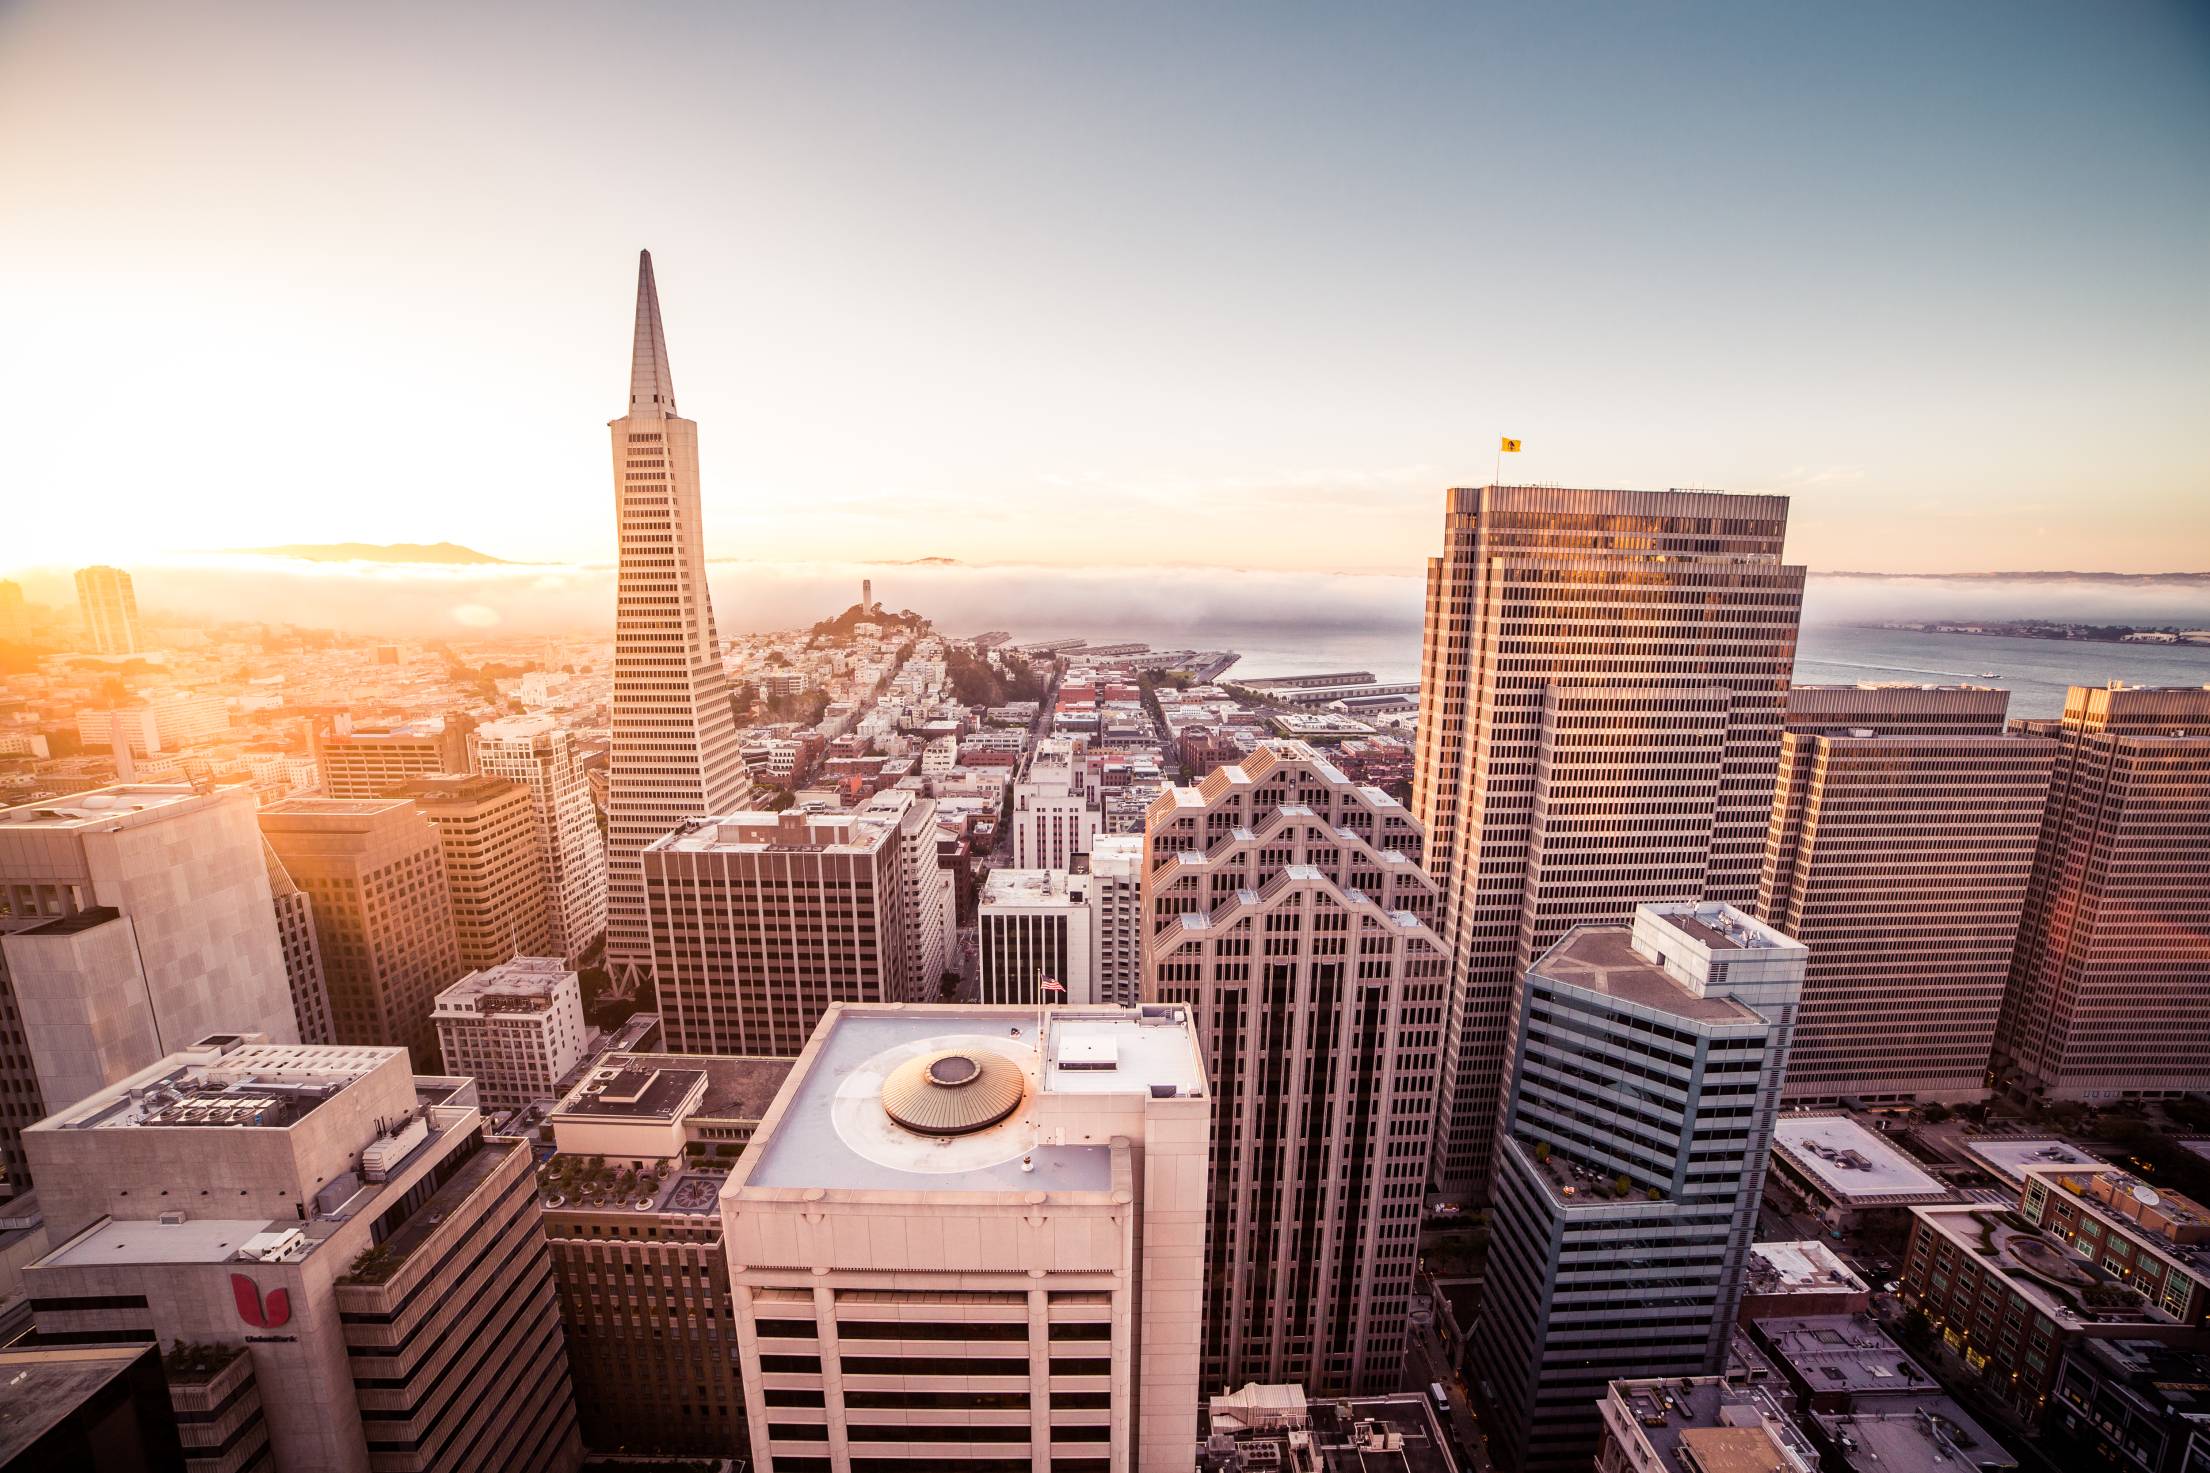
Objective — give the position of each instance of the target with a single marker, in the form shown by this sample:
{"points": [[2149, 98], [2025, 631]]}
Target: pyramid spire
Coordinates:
{"points": [[651, 384]]}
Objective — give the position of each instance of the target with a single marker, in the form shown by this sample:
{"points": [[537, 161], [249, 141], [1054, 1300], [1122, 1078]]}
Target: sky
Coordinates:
{"points": [[1106, 285]]}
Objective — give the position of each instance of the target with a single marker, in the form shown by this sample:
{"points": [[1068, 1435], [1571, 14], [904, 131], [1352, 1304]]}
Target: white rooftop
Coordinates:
{"points": [[528, 978], [1031, 887], [760, 832], [102, 805], [1853, 1164], [517, 728], [1782, 1267], [223, 1081], [194, 1240], [2007, 1156], [830, 1129]]}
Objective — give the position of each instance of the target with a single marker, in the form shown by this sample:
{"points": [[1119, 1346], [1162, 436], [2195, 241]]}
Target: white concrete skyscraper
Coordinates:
{"points": [[674, 752]]}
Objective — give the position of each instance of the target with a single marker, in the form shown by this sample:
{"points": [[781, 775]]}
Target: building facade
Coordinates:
{"points": [[1116, 918], [1902, 840], [538, 753], [110, 607], [632, 1210], [674, 754], [129, 915], [760, 921], [929, 887], [345, 1224], [1645, 1078], [295, 933], [1055, 815], [956, 1244], [1034, 927], [494, 865], [1602, 683], [369, 761], [159, 724], [2107, 993], [375, 879], [515, 1028], [1286, 908]]}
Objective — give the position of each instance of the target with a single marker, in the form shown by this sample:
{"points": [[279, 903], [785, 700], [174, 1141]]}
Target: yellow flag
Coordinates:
{"points": [[1511, 445]]}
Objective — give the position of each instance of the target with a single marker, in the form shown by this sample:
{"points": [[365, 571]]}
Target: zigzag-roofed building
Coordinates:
{"points": [[1286, 906]]}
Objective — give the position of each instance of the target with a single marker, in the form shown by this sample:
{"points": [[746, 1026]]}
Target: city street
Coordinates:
{"points": [[1426, 1364]]}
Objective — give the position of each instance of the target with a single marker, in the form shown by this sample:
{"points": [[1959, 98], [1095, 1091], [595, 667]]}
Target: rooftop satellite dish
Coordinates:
{"points": [[2146, 1195]]}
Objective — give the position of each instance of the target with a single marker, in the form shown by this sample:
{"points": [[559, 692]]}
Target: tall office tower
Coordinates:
{"points": [[1032, 926], [373, 872], [295, 933], [2108, 995], [1116, 918], [359, 1266], [130, 917], [15, 615], [674, 754], [367, 761], [761, 920], [669, 1125], [958, 1245], [1601, 687], [1285, 905], [538, 753], [494, 864], [1055, 814], [110, 608], [1902, 838], [1645, 1076]]}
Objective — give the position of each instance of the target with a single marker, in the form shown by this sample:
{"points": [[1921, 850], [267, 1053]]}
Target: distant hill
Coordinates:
{"points": [[374, 552]]}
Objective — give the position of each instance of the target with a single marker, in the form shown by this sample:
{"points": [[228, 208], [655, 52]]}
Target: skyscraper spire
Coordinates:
{"points": [[651, 384], [674, 750]]}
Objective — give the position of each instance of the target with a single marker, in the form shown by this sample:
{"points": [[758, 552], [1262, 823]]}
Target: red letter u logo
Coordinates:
{"points": [[276, 1311]]}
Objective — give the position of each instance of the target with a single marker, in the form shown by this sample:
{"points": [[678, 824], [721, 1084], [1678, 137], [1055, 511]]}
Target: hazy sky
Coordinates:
{"points": [[1106, 283]]}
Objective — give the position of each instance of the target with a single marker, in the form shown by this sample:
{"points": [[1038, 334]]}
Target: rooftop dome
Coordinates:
{"points": [[953, 1092]]}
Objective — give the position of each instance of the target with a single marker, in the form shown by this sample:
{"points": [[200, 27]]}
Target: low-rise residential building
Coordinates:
{"points": [[516, 1029]]}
